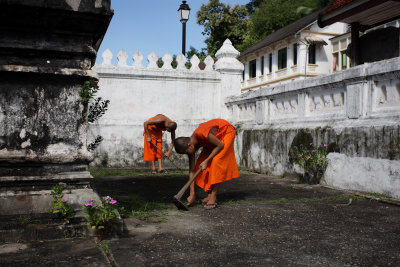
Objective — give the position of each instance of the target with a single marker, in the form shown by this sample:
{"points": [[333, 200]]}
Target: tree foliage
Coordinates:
{"points": [[220, 22], [253, 5], [193, 51], [271, 15], [247, 24]]}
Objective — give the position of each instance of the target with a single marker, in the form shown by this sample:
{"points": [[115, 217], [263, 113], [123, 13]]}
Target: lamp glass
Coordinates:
{"points": [[184, 14]]}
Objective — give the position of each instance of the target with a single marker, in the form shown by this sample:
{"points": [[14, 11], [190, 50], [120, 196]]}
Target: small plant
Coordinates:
{"points": [[95, 143], [60, 205], [312, 159], [93, 108], [102, 217]]}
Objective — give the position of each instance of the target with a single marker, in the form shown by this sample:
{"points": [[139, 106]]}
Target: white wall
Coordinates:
{"points": [[358, 110], [137, 93]]}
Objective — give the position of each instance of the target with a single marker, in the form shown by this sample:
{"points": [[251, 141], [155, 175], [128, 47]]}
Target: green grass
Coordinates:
{"points": [[143, 210], [338, 197], [104, 246], [274, 201], [233, 202], [129, 173], [378, 195], [132, 173]]}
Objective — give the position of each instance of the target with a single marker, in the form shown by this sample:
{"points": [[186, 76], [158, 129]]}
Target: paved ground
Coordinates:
{"points": [[262, 221]]}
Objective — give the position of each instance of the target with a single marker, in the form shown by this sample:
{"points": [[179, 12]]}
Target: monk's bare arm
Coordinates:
{"points": [[156, 120], [192, 165], [146, 130], [218, 146], [172, 144]]}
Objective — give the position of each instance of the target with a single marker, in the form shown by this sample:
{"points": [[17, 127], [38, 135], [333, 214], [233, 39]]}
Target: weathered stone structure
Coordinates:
{"points": [[46, 49]]}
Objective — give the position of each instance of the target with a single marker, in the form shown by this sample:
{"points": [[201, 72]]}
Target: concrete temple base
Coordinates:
{"points": [[47, 48]]}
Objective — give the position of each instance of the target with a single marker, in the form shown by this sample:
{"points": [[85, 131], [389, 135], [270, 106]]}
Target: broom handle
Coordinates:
{"points": [[185, 187], [166, 156]]}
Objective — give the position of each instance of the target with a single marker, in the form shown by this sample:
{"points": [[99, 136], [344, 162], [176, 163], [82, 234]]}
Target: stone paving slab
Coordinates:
{"points": [[61, 252]]}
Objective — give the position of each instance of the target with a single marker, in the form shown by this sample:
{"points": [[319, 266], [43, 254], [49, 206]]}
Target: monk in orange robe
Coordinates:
{"points": [[153, 131], [216, 160]]}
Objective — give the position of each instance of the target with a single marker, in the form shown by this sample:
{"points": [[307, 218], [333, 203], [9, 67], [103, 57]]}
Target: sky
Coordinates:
{"points": [[152, 26]]}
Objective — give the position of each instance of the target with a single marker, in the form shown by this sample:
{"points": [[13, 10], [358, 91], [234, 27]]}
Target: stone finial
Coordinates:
{"points": [[137, 60], [209, 62], [167, 59], [107, 57], [195, 63], [122, 58], [152, 58], [227, 58], [181, 60]]}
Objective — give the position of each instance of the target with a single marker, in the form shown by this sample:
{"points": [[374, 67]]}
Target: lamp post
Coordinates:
{"points": [[184, 11]]}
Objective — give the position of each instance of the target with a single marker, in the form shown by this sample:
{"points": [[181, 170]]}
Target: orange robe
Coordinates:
{"points": [[223, 166], [150, 152]]}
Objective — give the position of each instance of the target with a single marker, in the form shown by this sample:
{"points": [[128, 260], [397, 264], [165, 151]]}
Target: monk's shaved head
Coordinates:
{"points": [[172, 126], [181, 144]]}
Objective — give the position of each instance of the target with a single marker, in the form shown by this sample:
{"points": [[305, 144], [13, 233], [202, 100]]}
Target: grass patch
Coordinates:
{"points": [[143, 210], [338, 197], [129, 173], [275, 201], [378, 195], [233, 202], [104, 246], [96, 173]]}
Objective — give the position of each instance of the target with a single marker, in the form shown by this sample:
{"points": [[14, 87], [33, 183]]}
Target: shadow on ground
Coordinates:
{"points": [[262, 221]]}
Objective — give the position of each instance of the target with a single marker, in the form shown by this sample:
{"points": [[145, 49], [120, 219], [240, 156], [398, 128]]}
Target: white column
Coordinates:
{"points": [[231, 71]]}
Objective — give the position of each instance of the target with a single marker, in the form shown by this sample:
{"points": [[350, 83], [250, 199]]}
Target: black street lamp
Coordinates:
{"points": [[184, 11]]}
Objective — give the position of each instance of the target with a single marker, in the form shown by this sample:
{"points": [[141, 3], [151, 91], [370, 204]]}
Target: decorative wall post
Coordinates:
{"points": [[46, 49], [231, 73]]}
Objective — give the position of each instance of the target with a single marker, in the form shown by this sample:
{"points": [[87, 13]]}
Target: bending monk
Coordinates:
{"points": [[153, 131], [216, 160]]}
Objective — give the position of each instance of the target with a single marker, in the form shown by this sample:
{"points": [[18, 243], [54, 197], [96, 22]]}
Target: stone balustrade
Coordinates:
{"points": [[369, 91], [152, 59]]}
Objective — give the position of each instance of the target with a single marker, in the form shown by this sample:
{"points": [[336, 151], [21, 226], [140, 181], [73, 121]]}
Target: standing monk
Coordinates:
{"points": [[153, 130], [216, 160]]}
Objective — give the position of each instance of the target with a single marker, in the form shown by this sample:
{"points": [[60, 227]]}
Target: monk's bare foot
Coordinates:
{"points": [[205, 200], [210, 206], [191, 201]]}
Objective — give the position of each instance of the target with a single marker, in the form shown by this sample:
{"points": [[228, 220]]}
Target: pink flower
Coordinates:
{"points": [[112, 202], [325, 145], [107, 198], [308, 157], [310, 144], [62, 183], [64, 200], [89, 204], [313, 151]]}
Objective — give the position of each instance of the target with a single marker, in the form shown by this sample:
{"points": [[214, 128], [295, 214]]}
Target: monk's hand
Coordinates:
{"points": [[149, 139], [203, 165], [166, 154]]}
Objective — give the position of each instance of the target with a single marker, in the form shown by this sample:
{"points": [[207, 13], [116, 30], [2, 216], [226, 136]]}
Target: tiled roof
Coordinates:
{"points": [[337, 4], [282, 33]]}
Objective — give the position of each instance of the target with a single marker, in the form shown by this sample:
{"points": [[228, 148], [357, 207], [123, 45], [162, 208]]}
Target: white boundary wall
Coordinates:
{"points": [[137, 93], [357, 109]]}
